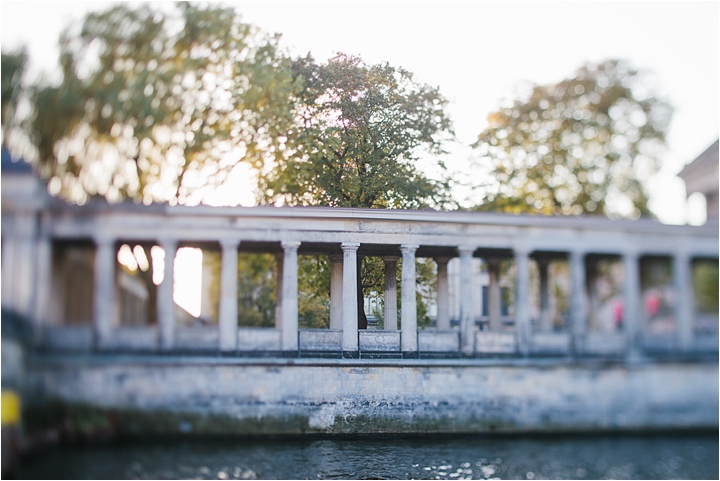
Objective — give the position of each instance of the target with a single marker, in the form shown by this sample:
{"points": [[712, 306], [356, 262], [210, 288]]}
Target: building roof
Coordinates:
{"points": [[12, 165], [704, 162]]}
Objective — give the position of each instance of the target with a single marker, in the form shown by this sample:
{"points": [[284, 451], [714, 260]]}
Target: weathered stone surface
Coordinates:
{"points": [[603, 343], [379, 341], [201, 338], [432, 340], [70, 338], [135, 339], [258, 339], [339, 396], [551, 343], [488, 342], [320, 339]]}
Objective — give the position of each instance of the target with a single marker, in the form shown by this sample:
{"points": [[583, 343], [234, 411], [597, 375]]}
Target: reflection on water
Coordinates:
{"points": [[666, 456]]}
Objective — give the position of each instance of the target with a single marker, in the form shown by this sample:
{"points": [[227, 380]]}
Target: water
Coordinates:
{"points": [[666, 456]]}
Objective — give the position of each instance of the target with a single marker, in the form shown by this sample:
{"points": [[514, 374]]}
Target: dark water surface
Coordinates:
{"points": [[622, 456]]}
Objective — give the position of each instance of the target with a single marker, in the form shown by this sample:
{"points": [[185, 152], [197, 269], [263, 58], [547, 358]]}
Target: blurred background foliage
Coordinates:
{"points": [[705, 286], [585, 145], [159, 104], [360, 131]]}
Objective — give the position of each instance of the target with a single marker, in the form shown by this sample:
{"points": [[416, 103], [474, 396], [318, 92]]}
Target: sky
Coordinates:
{"points": [[476, 52]]}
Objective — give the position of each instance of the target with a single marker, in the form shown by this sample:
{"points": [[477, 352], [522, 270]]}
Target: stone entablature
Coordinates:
{"points": [[344, 234]]}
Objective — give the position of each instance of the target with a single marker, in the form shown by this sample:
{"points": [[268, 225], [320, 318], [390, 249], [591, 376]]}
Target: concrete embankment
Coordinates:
{"points": [[211, 395]]}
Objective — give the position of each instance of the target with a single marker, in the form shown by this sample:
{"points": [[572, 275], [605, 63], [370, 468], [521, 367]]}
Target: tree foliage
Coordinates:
{"points": [[11, 71], [705, 286], [313, 292], [257, 290], [359, 134], [159, 105], [583, 145]]}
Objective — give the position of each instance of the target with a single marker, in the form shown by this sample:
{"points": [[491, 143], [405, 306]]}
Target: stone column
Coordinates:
{"points": [[443, 294], [578, 317], [336, 289], [522, 300], [349, 299], [682, 277], [289, 334], [494, 295], [632, 302], [408, 318], [390, 323], [43, 276], [8, 271], [104, 298], [546, 323], [454, 287], [24, 262], [228, 296], [207, 278], [279, 258], [467, 323], [165, 301]]}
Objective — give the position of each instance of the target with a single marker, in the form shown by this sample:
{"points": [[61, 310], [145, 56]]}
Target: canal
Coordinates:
{"points": [[617, 456]]}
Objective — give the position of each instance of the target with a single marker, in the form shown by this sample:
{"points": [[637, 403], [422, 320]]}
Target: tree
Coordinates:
{"points": [[313, 292], [584, 145], [360, 131], [159, 106], [705, 286], [11, 70], [257, 290]]}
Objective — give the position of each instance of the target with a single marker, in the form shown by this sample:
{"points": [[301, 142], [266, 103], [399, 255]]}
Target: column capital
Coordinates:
{"points": [[408, 248], [229, 243], [466, 250], [336, 258], [167, 243], [290, 244], [521, 250], [442, 259], [631, 254], [682, 254], [103, 239], [350, 246], [390, 258]]}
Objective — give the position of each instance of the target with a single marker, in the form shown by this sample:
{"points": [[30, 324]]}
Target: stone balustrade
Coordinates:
{"points": [[344, 235]]}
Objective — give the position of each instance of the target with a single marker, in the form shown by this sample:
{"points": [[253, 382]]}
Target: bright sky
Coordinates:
{"points": [[476, 51]]}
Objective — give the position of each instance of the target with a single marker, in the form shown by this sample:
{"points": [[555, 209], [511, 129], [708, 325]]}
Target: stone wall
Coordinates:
{"points": [[155, 394]]}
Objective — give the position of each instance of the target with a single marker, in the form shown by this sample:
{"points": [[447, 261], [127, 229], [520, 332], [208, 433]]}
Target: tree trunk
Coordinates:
{"points": [[362, 319], [147, 276]]}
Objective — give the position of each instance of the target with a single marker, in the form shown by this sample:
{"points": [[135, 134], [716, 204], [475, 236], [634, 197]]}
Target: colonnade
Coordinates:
{"points": [[343, 296], [30, 231]]}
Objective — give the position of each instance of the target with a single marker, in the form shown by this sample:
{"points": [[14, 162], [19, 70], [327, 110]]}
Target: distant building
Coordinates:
{"points": [[701, 175]]}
